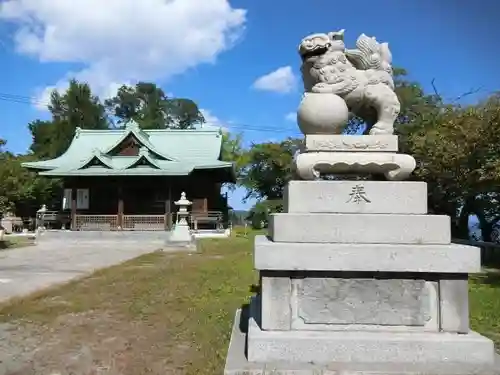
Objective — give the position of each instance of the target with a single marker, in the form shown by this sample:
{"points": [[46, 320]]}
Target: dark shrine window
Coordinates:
{"points": [[129, 147]]}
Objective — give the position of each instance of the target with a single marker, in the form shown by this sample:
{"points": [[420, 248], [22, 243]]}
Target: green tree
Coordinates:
{"points": [[76, 107], [232, 150], [259, 214], [458, 154], [149, 106], [183, 114], [268, 168], [22, 191]]}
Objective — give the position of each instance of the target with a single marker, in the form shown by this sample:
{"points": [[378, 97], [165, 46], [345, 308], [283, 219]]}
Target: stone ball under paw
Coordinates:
{"points": [[321, 113]]}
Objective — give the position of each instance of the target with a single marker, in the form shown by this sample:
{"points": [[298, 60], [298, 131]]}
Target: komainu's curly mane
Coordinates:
{"points": [[361, 76]]}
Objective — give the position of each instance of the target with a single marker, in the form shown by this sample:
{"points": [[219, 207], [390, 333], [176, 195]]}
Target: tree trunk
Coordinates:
{"points": [[486, 227], [462, 223]]}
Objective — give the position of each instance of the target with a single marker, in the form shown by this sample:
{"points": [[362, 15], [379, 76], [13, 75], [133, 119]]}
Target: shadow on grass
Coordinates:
{"points": [[488, 277], [15, 243], [255, 288], [490, 258]]}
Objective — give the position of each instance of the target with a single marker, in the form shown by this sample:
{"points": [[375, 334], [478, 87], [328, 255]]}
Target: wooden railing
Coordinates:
{"points": [[144, 222], [211, 219], [96, 222]]}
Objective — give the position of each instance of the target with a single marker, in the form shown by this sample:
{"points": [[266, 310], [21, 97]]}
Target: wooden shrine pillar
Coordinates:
{"points": [[168, 209], [73, 209], [119, 220]]}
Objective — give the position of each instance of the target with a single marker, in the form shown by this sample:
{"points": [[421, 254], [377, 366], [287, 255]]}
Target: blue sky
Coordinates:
{"points": [[214, 52]]}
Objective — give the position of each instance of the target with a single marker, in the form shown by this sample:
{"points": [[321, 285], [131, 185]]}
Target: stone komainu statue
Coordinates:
{"points": [[362, 76]]}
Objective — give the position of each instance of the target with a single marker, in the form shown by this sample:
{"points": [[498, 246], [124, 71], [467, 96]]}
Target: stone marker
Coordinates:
{"points": [[356, 278]]}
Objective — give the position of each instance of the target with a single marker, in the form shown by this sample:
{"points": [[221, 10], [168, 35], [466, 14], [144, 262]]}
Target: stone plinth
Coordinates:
{"points": [[353, 282], [356, 278]]}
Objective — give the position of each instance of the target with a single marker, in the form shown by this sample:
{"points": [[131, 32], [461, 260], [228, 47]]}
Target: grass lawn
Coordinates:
{"points": [[484, 304], [11, 242], [158, 314]]}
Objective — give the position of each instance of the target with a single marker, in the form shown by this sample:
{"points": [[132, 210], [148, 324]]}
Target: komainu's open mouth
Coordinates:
{"points": [[317, 51]]}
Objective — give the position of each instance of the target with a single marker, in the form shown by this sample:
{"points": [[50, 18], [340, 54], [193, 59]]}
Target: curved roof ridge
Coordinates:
{"points": [[143, 155], [97, 154]]}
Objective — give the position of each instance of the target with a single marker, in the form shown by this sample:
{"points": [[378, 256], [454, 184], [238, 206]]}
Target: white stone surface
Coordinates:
{"points": [[322, 114], [364, 197], [347, 346], [452, 258], [360, 229], [315, 301], [395, 167], [275, 303], [454, 304], [343, 142], [325, 303]]}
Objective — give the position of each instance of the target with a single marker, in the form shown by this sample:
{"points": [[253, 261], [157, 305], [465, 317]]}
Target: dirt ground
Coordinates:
{"points": [[89, 343]]}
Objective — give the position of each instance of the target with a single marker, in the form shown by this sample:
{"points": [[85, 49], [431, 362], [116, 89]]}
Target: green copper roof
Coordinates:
{"points": [[163, 152]]}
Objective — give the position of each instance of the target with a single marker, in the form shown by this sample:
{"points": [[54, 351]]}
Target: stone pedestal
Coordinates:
{"points": [[357, 279]]}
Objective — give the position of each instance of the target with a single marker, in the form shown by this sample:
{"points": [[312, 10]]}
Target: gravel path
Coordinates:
{"points": [[60, 257]]}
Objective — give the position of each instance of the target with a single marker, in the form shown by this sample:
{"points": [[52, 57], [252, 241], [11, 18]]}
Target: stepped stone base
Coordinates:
{"points": [[360, 228], [356, 279], [279, 256], [238, 364]]}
